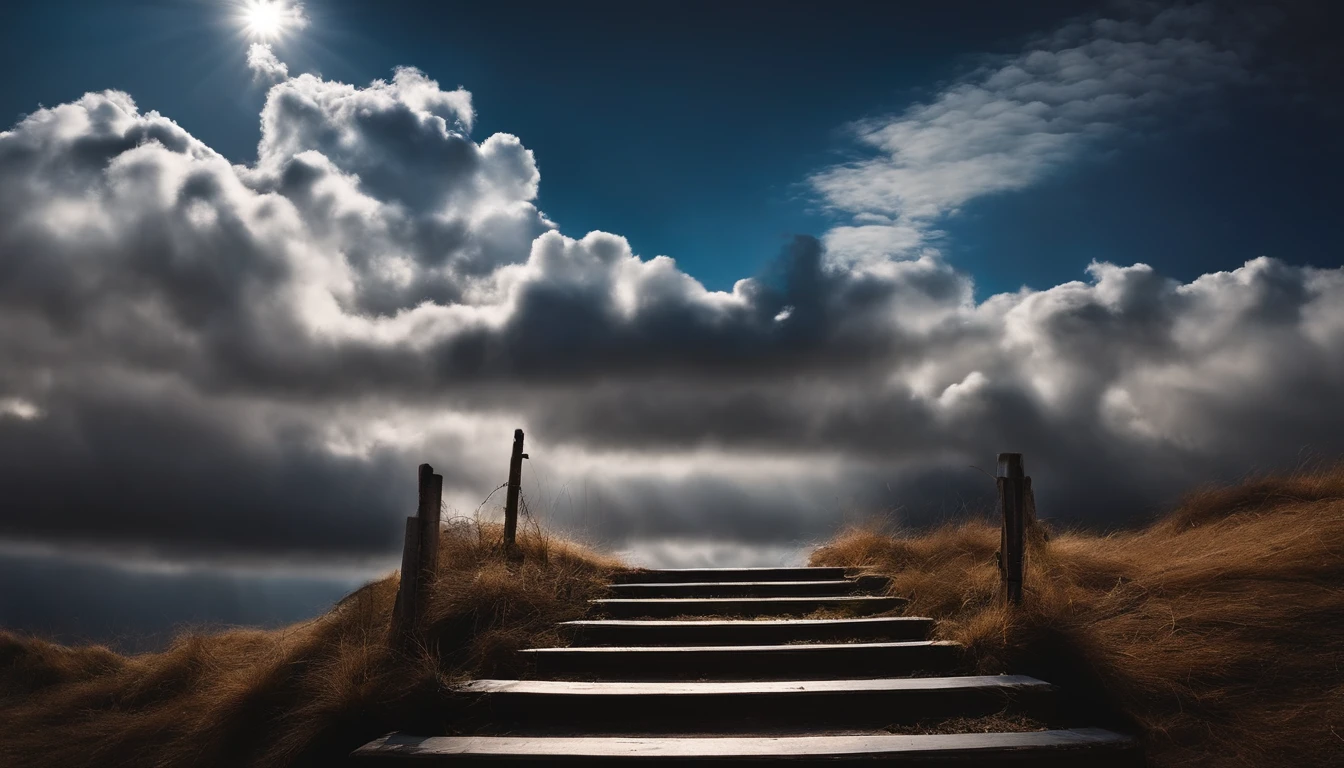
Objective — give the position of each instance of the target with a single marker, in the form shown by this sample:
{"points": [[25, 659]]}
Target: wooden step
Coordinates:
{"points": [[739, 589], [666, 608], [552, 706], [684, 575], [745, 632], [744, 662], [1092, 747]]}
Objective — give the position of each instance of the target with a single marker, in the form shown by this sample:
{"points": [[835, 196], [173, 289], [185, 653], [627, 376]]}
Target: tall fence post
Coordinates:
{"points": [[1014, 491], [431, 502], [515, 484], [419, 558]]}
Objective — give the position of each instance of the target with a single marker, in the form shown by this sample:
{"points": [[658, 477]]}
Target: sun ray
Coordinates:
{"points": [[271, 19]]}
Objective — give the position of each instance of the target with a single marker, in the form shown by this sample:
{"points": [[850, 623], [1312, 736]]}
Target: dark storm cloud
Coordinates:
{"points": [[197, 356], [122, 466], [133, 609]]}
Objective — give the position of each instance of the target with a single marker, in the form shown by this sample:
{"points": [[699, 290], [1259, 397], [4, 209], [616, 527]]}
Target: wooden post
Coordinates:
{"points": [[403, 613], [1013, 485], [515, 484], [419, 558], [431, 501]]}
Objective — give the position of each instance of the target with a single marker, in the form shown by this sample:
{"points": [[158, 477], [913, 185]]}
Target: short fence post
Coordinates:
{"points": [[511, 500], [1014, 491], [419, 558], [403, 613]]}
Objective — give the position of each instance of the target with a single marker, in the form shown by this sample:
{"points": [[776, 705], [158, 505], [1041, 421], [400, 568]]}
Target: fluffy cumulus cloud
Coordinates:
{"points": [[265, 65], [202, 357]]}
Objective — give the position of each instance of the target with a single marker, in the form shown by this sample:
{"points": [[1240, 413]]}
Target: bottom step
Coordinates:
{"points": [[804, 661], [1083, 746], [553, 707]]}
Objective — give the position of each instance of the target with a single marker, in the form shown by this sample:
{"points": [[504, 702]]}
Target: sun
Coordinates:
{"points": [[271, 19]]}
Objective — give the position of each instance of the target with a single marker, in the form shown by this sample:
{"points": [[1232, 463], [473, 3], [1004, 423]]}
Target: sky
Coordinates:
{"points": [[745, 274]]}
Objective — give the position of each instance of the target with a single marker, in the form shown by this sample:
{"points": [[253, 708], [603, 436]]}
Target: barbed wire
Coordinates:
{"points": [[486, 500], [524, 509]]}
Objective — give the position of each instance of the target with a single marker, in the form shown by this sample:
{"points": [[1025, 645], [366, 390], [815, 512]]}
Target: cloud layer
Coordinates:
{"points": [[207, 357]]}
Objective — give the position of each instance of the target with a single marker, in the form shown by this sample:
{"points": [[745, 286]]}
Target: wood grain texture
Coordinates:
{"points": [[753, 687], [515, 487], [1012, 484], [745, 662], [744, 606], [829, 588], [1040, 748], [403, 610], [649, 576], [553, 707], [745, 631]]}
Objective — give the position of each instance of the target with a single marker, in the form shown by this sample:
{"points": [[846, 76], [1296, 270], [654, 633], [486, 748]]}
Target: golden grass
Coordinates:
{"points": [[303, 695], [1217, 632]]}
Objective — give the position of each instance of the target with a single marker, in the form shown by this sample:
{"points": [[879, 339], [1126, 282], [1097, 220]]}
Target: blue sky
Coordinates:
{"points": [[691, 128], [246, 290]]}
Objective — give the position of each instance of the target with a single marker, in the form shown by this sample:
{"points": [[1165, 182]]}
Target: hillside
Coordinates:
{"points": [[1217, 631], [303, 695]]}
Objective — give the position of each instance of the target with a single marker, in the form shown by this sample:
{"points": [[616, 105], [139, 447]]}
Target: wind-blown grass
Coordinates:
{"points": [[303, 695], [1216, 633]]}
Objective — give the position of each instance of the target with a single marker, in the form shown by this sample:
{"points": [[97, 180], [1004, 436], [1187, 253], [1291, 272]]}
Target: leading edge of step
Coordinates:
{"points": [[598, 650], [814, 661], [744, 631], [788, 706], [701, 688], [819, 588], [857, 623], [683, 575], [668, 607], [896, 748], [632, 585]]}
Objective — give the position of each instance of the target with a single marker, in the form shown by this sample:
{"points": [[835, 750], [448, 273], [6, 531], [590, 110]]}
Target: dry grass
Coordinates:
{"points": [[1002, 722], [1217, 632], [303, 695]]}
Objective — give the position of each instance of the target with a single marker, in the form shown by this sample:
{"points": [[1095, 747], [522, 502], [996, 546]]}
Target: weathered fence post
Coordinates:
{"points": [[1014, 491], [515, 484], [431, 502], [419, 557]]}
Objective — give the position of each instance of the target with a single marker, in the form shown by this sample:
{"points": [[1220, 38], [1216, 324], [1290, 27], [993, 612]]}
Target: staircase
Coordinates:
{"points": [[714, 666]]}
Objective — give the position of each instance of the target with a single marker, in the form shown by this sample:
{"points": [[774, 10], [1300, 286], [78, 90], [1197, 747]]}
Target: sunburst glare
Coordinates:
{"points": [[271, 19]]}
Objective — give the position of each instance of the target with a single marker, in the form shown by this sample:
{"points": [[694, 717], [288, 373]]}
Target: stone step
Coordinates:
{"points": [[745, 662], [667, 608], [745, 631], [1092, 747], [683, 575], [608, 708]]}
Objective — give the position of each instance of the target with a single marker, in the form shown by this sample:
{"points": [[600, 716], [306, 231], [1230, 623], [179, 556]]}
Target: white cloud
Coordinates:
{"points": [[18, 408], [1007, 125], [276, 346], [265, 65], [682, 553]]}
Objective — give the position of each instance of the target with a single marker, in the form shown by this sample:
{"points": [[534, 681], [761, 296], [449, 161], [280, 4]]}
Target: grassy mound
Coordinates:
{"points": [[302, 695], [1217, 632]]}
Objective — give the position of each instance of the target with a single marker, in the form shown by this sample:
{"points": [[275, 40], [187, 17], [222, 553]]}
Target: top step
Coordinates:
{"points": [[685, 575]]}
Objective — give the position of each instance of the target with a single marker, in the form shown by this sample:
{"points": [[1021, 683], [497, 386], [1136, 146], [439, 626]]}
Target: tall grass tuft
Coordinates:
{"points": [[1217, 632], [303, 695]]}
